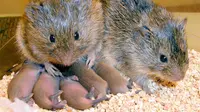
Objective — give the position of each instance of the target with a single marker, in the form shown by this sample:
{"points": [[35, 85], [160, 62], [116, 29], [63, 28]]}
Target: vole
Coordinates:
{"points": [[46, 92], [143, 41], [60, 31], [76, 95], [116, 82], [88, 79], [22, 84]]}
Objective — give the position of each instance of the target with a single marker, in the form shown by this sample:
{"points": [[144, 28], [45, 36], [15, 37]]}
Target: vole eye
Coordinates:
{"points": [[163, 58], [52, 39], [76, 35]]}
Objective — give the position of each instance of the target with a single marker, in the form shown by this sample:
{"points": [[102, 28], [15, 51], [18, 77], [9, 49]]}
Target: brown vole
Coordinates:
{"points": [[46, 92], [60, 31], [116, 82], [143, 40], [22, 84], [76, 95], [88, 79]]}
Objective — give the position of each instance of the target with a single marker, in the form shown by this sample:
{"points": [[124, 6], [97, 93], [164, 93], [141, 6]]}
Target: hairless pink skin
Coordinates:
{"points": [[88, 79], [22, 84], [116, 82], [76, 95], [46, 92]]}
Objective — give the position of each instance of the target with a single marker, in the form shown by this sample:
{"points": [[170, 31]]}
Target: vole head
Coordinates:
{"points": [[163, 45], [61, 31]]}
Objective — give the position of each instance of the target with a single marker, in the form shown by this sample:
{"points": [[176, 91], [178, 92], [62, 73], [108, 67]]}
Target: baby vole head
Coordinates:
{"points": [[61, 31], [164, 46]]}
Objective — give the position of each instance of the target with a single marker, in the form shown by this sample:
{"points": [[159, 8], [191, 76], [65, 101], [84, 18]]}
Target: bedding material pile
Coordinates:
{"points": [[185, 97]]}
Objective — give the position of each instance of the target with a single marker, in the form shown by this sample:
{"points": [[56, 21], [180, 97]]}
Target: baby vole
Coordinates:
{"points": [[22, 84], [60, 31], [88, 79], [76, 95], [46, 92], [143, 41], [116, 82]]}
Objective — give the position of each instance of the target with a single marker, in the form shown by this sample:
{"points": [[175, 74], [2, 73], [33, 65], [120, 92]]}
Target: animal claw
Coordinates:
{"points": [[52, 70], [90, 95], [90, 60], [55, 96], [27, 99], [130, 84]]}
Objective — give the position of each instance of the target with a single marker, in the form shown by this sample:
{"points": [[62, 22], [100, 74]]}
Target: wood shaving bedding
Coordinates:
{"points": [[185, 97]]}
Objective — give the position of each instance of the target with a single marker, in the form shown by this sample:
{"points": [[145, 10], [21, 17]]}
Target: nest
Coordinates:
{"points": [[184, 97]]}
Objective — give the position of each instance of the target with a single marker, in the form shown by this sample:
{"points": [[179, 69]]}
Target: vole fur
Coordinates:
{"points": [[60, 31], [144, 41]]}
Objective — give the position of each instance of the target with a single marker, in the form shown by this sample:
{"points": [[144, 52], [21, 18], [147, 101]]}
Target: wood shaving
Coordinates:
{"points": [[181, 97]]}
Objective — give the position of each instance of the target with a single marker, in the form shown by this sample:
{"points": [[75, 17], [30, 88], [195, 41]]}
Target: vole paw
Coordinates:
{"points": [[147, 84], [90, 95], [90, 60], [150, 86], [59, 105], [130, 84], [54, 97], [27, 99], [52, 70]]}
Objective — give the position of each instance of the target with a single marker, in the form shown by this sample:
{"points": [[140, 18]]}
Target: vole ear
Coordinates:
{"points": [[182, 43], [33, 9], [181, 25], [30, 11]]}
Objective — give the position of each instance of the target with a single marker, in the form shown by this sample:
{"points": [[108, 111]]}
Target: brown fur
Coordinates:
{"points": [[139, 34], [62, 19]]}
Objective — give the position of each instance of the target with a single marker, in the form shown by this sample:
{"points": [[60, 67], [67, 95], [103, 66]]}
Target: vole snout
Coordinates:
{"points": [[177, 75]]}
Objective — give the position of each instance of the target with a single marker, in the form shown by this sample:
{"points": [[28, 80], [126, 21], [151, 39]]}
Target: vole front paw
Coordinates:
{"points": [[52, 70], [90, 60], [147, 84]]}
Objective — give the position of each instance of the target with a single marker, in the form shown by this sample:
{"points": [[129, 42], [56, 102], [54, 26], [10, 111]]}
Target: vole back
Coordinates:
{"points": [[60, 31]]}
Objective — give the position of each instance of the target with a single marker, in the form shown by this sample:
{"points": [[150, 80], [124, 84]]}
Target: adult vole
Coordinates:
{"points": [[144, 41], [60, 31]]}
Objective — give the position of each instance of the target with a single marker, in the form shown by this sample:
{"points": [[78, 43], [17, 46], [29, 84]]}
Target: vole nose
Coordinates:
{"points": [[177, 74], [66, 59], [67, 64]]}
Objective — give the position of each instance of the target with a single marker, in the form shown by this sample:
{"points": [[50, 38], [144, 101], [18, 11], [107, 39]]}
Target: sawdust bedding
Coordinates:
{"points": [[185, 97]]}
